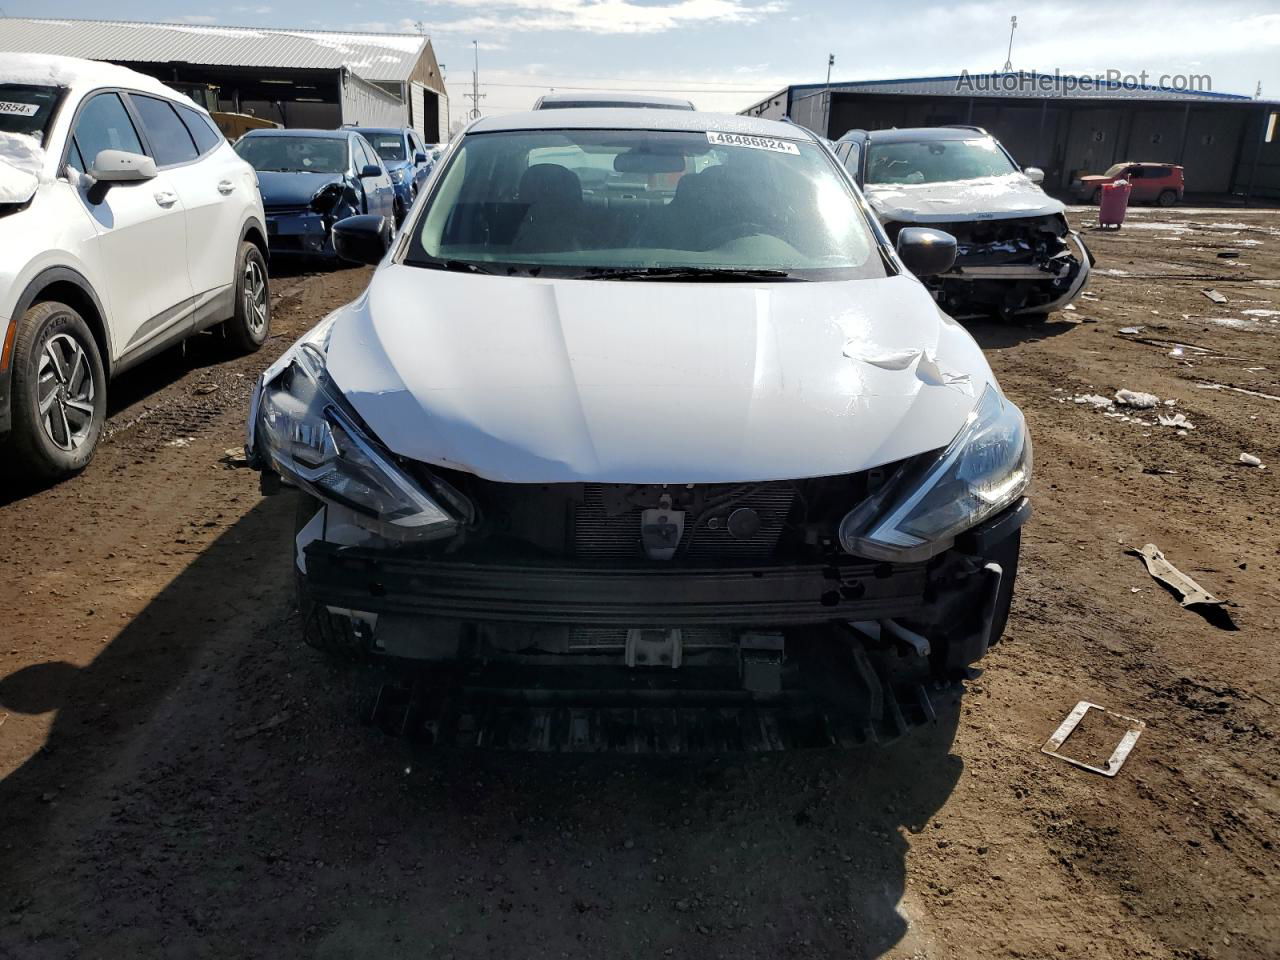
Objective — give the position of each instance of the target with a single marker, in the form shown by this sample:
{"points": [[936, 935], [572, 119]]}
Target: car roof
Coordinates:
{"points": [[918, 134], [637, 99], [302, 132], [626, 118], [400, 130]]}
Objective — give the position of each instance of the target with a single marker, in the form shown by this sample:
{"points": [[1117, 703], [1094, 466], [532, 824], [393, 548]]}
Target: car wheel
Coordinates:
{"points": [[1167, 198], [59, 393], [321, 630], [399, 213], [1096, 199], [248, 328]]}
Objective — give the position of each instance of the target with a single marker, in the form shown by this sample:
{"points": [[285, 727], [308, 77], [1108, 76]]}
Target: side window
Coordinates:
{"points": [[170, 142], [103, 124], [842, 151], [415, 145], [369, 156], [1161, 173], [205, 136], [851, 160]]}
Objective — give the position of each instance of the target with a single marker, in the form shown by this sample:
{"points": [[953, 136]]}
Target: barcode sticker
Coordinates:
{"points": [[18, 109], [755, 143]]}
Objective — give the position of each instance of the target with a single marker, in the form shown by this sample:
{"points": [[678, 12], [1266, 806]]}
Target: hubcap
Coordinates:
{"points": [[255, 298], [65, 389]]}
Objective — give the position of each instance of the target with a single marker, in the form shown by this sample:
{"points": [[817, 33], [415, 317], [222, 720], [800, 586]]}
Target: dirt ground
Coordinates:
{"points": [[182, 778]]}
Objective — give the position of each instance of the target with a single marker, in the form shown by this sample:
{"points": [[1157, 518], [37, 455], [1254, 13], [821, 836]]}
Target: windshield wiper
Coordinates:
{"points": [[725, 274], [458, 266]]}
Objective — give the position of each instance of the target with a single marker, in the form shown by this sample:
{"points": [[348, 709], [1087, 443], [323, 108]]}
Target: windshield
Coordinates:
{"points": [[590, 203], [1116, 169], [390, 146], [27, 109], [294, 154], [936, 161]]}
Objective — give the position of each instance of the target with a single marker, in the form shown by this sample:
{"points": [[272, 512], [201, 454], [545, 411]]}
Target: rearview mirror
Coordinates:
{"points": [[362, 239], [1034, 174], [120, 166], [644, 161], [369, 170], [926, 252]]}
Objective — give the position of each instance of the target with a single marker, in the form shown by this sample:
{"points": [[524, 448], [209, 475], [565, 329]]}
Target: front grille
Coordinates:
{"points": [[601, 534], [282, 210], [615, 638]]}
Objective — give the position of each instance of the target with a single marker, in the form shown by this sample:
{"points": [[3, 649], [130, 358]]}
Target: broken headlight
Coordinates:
{"points": [[315, 440], [930, 500]]}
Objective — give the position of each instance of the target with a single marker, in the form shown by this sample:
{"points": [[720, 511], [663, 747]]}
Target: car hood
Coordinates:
{"points": [[987, 198], [292, 189], [548, 381]]}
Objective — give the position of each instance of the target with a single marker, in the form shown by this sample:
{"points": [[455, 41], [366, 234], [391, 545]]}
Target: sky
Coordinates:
{"points": [[728, 54]]}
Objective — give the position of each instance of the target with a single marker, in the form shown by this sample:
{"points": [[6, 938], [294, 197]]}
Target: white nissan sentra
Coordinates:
{"points": [[641, 411]]}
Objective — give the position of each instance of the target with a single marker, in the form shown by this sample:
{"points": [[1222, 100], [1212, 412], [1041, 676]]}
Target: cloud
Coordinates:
{"points": [[598, 16], [255, 10], [198, 18]]}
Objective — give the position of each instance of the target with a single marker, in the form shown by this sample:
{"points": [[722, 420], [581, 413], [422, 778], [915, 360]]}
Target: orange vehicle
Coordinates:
{"points": [[1159, 183]]}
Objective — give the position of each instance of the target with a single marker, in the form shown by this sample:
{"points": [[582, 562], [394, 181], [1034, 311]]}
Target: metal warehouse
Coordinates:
{"points": [[296, 78], [1229, 144]]}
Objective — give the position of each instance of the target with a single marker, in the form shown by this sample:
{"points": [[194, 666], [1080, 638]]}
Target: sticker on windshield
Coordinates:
{"points": [[18, 109], [755, 143]]}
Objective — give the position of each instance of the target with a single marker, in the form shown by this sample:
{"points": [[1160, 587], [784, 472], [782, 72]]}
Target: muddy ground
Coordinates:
{"points": [[181, 778]]}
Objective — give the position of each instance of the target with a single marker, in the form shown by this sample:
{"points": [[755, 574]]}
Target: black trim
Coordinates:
{"points": [[383, 582], [981, 539]]}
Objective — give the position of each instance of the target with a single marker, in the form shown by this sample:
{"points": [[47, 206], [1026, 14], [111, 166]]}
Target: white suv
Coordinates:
{"points": [[127, 223]]}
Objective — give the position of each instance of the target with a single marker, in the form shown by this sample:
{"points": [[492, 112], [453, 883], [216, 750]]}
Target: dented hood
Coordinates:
{"points": [[548, 381], [987, 198]]}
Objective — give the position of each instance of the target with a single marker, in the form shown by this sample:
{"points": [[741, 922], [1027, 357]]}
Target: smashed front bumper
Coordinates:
{"points": [[299, 232], [555, 655]]}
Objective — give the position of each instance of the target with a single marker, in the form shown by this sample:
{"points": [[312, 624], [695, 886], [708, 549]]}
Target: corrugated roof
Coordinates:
{"points": [[375, 56], [1025, 85]]}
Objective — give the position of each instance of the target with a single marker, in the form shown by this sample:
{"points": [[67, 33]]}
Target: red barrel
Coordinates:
{"points": [[1115, 200]]}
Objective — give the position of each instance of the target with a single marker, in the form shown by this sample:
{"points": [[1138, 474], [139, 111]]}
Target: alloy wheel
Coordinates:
{"points": [[255, 297], [65, 388]]}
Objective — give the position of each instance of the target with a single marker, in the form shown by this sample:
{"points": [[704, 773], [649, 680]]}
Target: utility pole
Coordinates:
{"points": [[475, 93], [1008, 57], [831, 62], [826, 97]]}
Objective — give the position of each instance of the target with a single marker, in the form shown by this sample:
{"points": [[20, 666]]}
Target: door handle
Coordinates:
{"points": [[225, 187], [166, 198]]}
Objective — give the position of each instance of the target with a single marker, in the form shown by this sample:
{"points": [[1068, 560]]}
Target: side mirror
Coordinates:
{"points": [[362, 239], [368, 171], [926, 252], [419, 158], [120, 166], [1034, 174]]}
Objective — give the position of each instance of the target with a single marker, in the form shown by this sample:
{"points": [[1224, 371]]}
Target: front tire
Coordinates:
{"points": [[59, 393], [1096, 199], [249, 327]]}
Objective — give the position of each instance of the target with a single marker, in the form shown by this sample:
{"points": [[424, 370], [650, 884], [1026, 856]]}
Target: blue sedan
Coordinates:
{"points": [[310, 179], [407, 159]]}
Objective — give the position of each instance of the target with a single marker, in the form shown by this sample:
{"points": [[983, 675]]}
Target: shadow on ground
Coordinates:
{"points": [[207, 787]]}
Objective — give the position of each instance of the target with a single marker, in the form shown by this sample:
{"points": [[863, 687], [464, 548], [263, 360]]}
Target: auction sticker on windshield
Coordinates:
{"points": [[755, 143], [18, 109]]}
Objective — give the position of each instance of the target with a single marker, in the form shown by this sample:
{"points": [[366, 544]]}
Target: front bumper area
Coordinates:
{"points": [[299, 232]]}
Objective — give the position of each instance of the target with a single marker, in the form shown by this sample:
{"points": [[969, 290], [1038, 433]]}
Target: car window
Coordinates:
{"points": [[103, 124], [390, 146], [852, 156], [302, 154], [170, 142], [585, 202], [27, 109], [201, 129], [936, 161], [370, 157]]}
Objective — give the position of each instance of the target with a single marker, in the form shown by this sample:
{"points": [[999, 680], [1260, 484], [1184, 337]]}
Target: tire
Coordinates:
{"points": [[249, 327], [1167, 198], [321, 630], [399, 213], [55, 357], [1096, 199]]}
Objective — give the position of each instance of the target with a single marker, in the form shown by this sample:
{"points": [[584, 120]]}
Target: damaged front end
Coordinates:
{"points": [[646, 617], [307, 229], [1006, 267]]}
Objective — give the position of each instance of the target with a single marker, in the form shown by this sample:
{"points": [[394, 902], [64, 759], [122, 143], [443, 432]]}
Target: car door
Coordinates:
{"points": [[206, 186], [420, 168], [141, 226], [380, 194], [1140, 184]]}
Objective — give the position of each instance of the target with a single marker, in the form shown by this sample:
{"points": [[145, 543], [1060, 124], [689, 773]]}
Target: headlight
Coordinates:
{"points": [[398, 175], [924, 506], [308, 432]]}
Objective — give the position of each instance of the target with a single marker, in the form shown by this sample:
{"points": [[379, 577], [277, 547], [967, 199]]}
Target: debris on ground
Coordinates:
{"points": [[1252, 461], [1228, 254], [1093, 399], [1132, 329], [1136, 399], [1161, 569], [1111, 766], [1214, 295], [1178, 420]]}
